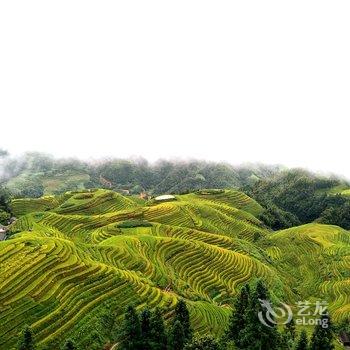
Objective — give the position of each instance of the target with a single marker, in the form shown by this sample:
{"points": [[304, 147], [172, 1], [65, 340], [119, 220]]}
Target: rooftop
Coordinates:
{"points": [[165, 197]]}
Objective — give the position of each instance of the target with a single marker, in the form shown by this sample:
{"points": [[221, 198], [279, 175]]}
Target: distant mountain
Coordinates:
{"points": [[36, 174], [290, 197]]}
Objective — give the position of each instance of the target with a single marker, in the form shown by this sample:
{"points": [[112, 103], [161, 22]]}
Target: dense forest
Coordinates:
{"points": [[296, 197]]}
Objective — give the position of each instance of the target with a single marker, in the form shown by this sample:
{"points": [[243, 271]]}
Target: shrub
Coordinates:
{"points": [[83, 196], [210, 191], [134, 223]]}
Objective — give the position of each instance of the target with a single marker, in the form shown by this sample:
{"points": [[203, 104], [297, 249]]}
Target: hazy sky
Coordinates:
{"points": [[240, 81]]}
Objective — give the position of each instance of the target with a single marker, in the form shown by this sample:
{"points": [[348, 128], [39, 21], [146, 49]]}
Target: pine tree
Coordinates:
{"points": [[322, 337], [255, 335], [202, 343], [69, 345], [108, 323], [290, 329], [288, 336], [131, 330], [177, 339], [26, 341], [183, 316], [157, 331], [145, 320], [236, 322], [261, 291], [303, 341]]}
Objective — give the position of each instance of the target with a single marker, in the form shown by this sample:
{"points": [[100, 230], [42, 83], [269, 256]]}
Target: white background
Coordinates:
{"points": [[240, 81]]}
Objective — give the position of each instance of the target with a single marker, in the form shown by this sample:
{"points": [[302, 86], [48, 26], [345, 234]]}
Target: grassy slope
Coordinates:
{"points": [[342, 189], [70, 263]]}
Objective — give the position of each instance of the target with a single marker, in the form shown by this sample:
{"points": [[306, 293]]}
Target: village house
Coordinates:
{"points": [[165, 197]]}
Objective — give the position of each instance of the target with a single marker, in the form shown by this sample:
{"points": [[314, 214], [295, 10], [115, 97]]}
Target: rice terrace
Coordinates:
{"points": [[73, 262]]}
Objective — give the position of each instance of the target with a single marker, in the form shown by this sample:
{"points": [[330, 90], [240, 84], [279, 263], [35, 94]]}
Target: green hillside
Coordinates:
{"points": [[75, 259], [346, 192], [316, 260], [36, 174]]}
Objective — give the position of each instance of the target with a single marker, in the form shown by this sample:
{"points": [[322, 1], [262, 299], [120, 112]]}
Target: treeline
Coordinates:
{"points": [[5, 195], [246, 331], [144, 331], [5, 211], [290, 197], [147, 330], [33, 174], [26, 341], [297, 197]]}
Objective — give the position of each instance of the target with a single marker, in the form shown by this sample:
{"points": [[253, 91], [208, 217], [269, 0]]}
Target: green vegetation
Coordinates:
{"points": [[147, 330], [158, 335], [254, 334], [26, 341], [67, 266], [298, 197], [36, 174], [202, 343], [338, 215], [79, 256], [132, 335], [346, 192], [289, 197], [177, 336], [303, 343], [323, 338], [182, 316], [72, 266], [69, 345], [5, 211], [134, 223], [237, 323]]}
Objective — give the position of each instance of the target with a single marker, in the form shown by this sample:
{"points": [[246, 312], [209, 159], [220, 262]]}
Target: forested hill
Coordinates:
{"points": [[35, 174], [289, 197], [296, 197]]}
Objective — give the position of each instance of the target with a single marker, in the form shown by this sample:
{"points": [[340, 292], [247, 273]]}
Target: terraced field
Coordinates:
{"points": [[74, 258], [316, 260]]}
